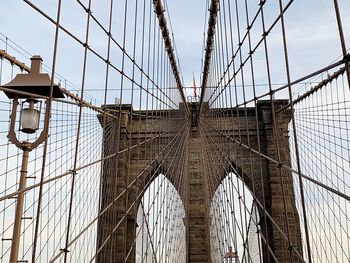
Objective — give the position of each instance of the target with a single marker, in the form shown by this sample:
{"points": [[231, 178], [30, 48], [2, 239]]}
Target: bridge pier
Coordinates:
{"points": [[114, 229], [197, 205], [279, 195]]}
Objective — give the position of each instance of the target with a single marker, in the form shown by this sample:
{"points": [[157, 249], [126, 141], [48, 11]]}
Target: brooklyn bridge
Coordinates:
{"points": [[175, 131]]}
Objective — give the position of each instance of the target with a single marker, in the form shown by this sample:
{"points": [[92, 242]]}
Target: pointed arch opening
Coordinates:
{"points": [[160, 231], [234, 223]]}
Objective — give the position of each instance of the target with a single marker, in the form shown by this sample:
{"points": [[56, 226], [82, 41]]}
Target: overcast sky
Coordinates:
{"points": [[312, 35]]}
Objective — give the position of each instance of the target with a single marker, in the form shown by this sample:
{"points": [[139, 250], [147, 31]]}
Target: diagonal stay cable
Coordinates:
{"points": [[89, 164], [169, 48], [347, 197]]}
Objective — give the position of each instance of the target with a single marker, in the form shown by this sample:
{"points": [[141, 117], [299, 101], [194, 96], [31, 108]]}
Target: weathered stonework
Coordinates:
{"points": [[271, 182]]}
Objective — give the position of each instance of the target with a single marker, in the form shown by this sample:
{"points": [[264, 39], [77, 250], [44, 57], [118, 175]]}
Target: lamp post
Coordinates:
{"points": [[29, 90]]}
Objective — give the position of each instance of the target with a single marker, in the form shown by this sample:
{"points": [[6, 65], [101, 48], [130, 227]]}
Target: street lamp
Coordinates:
{"points": [[29, 90], [231, 255]]}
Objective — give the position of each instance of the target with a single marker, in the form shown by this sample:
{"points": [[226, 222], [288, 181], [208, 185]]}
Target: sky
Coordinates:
{"points": [[35, 35], [313, 40], [188, 21]]}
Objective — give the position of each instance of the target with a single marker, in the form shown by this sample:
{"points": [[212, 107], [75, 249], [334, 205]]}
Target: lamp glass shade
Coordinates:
{"points": [[30, 120]]}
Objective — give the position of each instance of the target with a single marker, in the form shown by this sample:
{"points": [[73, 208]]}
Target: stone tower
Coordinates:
{"points": [[269, 180]]}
